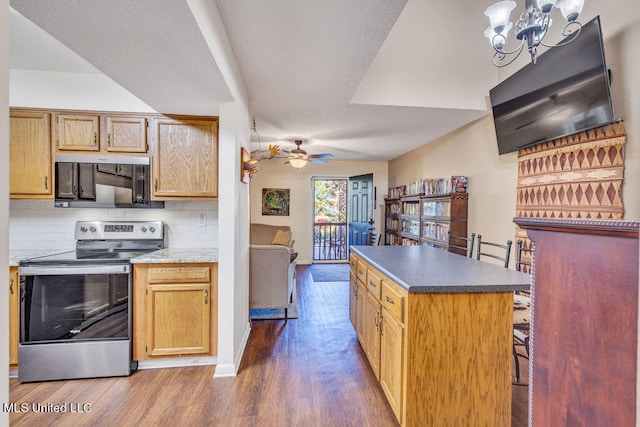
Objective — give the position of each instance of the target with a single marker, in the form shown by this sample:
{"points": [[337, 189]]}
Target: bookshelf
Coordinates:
{"points": [[432, 209]]}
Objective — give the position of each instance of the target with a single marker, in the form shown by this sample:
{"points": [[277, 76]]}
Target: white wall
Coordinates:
{"points": [[233, 276], [624, 62], [275, 174], [82, 91], [4, 207], [470, 151], [37, 224]]}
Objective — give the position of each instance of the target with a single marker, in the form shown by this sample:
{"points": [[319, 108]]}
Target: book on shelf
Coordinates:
{"points": [[430, 186]]}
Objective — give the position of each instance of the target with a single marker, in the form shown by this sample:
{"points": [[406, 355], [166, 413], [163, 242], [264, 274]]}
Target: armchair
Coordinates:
{"points": [[272, 274]]}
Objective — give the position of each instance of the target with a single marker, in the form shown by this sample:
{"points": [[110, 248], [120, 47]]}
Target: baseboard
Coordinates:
{"points": [[13, 372], [177, 362], [231, 370]]}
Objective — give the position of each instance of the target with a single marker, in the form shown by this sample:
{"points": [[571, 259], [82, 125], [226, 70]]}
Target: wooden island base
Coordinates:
{"points": [[443, 357]]}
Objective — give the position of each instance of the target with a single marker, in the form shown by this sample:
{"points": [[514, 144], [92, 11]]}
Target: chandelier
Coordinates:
{"points": [[531, 28]]}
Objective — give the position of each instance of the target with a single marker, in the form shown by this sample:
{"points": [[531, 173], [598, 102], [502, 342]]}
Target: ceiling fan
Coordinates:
{"points": [[299, 157]]}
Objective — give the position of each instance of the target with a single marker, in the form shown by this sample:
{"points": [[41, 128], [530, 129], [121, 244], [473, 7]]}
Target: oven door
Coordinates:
{"points": [[67, 303]]}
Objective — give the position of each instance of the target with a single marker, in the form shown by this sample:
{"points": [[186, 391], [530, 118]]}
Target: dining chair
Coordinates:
{"points": [[461, 245], [521, 312], [493, 250], [374, 239]]}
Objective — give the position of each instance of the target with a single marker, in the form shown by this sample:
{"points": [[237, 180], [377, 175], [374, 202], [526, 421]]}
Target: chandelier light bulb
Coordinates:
{"points": [[570, 9], [531, 27], [498, 40], [545, 6], [498, 14]]}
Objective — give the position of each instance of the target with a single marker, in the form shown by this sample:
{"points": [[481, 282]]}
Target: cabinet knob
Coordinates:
{"points": [[155, 184], [206, 296], [11, 286], [46, 182], [109, 139], [389, 300], [95, 138]]}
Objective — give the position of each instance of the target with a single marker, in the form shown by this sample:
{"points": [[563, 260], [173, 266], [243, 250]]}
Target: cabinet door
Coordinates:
{"points": [[361, 305], [353, 296], [391, 348], [14, 316], [30, 155], [185, 163], [178, 319], [126, 134], [77, 132], [372, 333]]}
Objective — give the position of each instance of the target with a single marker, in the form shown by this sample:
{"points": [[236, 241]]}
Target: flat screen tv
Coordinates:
{"points": [[565, 92]]}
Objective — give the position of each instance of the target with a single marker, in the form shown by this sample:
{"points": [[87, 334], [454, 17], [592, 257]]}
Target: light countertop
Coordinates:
{"points": [[426, 269], [177, 255], [17, 255]]}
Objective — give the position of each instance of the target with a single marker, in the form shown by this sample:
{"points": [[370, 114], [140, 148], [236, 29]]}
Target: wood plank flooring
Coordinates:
{"points": [[309, 371]]}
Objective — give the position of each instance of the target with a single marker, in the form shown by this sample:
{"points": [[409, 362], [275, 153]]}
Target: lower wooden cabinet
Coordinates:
{"points": [[361, 310], [14, 315], [353, 297], [391, 355], [175, 310], [441, 358], [372, 332]]}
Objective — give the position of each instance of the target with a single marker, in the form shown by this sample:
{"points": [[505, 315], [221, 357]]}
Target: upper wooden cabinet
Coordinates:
{"points": [[126, 134], [185, 159], [77, 132], [115, 133], [31, 161]]}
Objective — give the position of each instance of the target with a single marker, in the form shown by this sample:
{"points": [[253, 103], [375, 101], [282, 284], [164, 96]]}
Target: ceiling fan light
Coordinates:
{"points": [[297, 162], [498, 14]]}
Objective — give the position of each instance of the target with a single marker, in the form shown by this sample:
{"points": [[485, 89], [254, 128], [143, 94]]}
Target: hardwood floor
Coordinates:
{"points": [[309, 371]]}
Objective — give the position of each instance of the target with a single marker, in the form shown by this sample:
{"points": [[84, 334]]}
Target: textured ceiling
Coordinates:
{"points": [[362, 79]]}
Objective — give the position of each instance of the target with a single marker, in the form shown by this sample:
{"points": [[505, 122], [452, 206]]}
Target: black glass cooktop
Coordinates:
{"points": [[84, 257]]}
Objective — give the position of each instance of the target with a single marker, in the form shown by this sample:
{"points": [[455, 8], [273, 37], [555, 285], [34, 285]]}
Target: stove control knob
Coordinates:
{"points": [[92, 229], [143, 229], [83, 229], [152, 229]]}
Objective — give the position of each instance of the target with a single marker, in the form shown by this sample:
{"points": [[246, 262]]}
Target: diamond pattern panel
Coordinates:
{"points": [[579, 176]]}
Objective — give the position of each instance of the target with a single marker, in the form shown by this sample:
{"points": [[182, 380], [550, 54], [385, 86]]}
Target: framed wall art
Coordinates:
{"points": [[275, 201]]}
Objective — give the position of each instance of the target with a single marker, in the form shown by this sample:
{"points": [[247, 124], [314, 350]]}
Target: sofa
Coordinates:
{"points": [[273, 266]]}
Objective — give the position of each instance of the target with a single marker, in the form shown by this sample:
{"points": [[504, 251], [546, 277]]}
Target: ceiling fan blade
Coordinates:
{"points": [[312, 160], [321, 156]]}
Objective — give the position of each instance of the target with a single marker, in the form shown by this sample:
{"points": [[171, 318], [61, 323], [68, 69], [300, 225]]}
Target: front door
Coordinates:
{"points": [[361, 205]]}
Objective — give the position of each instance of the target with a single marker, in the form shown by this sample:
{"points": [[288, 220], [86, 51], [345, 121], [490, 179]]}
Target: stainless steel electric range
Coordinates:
{"points": [[76, 308]]}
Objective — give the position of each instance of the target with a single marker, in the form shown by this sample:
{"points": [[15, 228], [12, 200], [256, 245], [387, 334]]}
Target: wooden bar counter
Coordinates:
{"points": [[437, 330]]}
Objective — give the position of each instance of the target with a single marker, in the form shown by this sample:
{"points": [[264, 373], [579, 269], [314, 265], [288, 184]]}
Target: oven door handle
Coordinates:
{"points": [[66, 270]]}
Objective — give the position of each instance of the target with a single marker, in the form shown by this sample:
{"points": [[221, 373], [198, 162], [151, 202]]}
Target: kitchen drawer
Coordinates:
{"points": [[353, 262], [178, 275], [373, 282], [361, 271], [393, 301]]}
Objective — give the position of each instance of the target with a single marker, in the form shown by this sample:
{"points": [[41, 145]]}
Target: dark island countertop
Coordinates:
{"points": [[424, 269]]}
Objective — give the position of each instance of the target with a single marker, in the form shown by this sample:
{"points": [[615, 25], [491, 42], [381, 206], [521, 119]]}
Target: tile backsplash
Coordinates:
{"points": [[36, 224]]}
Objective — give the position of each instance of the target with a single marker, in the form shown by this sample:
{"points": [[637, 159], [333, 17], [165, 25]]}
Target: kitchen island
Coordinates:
{"points": [[437, 330]]}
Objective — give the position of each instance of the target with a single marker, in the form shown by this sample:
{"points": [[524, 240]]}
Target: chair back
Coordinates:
{"points": [[461, 245], [521, 265], [494, 250], [374, 239]]}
